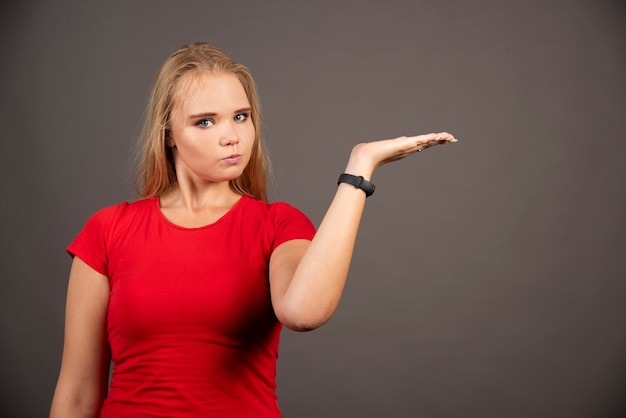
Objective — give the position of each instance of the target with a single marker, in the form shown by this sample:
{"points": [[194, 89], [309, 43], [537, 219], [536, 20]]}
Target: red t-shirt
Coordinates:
{"points": [[190, 321]]}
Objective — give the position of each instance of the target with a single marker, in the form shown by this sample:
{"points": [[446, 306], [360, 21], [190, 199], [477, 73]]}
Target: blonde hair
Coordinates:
{"points": [[156, 173]]}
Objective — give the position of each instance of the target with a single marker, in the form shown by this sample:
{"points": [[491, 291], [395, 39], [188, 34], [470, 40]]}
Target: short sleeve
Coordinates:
{"points": [[290, 223], [90, 244]]}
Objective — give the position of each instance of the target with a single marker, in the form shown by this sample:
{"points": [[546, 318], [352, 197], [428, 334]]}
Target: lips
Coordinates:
{"points": [[232, 159]]}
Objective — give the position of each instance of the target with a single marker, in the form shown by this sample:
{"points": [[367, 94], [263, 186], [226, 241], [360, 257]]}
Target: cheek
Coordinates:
{"points": [[250, 134]]}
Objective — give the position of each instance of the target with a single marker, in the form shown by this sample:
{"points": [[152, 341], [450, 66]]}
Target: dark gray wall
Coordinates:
{"points": [[488, 279]]}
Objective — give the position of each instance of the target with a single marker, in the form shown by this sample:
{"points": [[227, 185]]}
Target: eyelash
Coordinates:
{"points": [[244, 117], [202, 125]]}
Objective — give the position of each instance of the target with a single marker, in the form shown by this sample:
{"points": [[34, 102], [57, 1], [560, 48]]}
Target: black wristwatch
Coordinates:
{"points": [[359, 182]]}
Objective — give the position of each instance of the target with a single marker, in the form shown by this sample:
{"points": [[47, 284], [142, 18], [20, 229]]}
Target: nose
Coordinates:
{"points": [[229, 136]]}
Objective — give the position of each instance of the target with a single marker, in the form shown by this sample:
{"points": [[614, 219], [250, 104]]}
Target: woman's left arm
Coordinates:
{"points": [[307, 278]]}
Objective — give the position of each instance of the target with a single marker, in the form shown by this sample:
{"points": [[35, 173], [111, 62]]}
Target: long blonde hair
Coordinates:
{"points": [[156, 173]]}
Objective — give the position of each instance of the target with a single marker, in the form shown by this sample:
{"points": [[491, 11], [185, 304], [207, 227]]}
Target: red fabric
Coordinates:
{"points": [[190, 322]]}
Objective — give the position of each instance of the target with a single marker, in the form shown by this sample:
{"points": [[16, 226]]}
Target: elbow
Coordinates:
{"points": [[302, 326], [301, 320], [75, 407]]}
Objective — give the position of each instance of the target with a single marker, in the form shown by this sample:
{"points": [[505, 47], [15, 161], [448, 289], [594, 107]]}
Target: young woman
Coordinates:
{"points": [[187, 288]]}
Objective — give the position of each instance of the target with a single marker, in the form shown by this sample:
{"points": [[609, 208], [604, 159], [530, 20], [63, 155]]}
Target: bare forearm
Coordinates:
{"points": [[319, 280], [309, 297]]}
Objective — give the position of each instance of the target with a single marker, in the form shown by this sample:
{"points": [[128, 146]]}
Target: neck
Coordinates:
{"points": [[191, 208], [193, 197]]}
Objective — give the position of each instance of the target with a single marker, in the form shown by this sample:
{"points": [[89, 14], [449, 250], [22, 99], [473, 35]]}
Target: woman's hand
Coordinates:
{"points": [[367, 157]]}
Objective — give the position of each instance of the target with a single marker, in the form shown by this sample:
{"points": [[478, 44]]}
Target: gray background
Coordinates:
{"points": [[488, 279]]}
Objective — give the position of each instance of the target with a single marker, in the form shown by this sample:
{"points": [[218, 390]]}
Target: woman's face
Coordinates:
{"points": [[212, 133]]}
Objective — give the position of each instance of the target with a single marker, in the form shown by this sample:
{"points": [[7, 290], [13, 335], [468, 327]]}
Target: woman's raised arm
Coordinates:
{"points": [[82, 384], [307, 278]]}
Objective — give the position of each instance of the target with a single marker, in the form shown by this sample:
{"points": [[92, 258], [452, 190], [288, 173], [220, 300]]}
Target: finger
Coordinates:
{"points": [[424, 138], [433, 138], [444, 137], [440, 139]]}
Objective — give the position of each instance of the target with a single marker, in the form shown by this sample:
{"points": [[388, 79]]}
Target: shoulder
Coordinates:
{"points": [[138, 206], [280, 220], [109, 214], [105, 215], [272, 210]]}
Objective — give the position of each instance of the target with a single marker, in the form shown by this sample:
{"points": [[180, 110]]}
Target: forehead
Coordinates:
{"points": [[210, 92]]}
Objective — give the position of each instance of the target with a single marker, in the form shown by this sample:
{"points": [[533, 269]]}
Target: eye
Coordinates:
{"points": [[204, 123], [241, 117]]}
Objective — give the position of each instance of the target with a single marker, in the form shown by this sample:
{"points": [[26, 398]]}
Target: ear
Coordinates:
{"points": [[169, 141]]}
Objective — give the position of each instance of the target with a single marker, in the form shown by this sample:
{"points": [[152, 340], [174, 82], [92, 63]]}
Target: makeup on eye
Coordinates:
{"points": [[208, 119], [205, 123], [242, 117]]}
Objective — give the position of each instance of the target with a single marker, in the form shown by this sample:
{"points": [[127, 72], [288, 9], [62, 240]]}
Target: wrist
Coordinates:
{"points": [[358, 182], [359, 165]]}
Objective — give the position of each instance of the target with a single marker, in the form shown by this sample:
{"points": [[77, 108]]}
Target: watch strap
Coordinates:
{"points": [[359, 182]]}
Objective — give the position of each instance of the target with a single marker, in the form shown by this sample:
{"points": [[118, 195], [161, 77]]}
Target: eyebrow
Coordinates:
{"points": [[212, 114]]}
